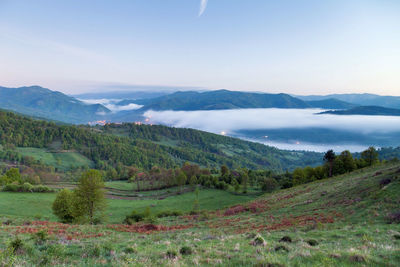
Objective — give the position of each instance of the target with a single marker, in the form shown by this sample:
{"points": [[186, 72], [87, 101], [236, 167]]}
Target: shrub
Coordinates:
{"points": [[169, 213], [42, 189], [171, 254], [269, 185], [281, 248], [286, 239], [63, 206], [130, 250], [10, 188], [26, 187], [385, 181], [186, 250], [258, 241], [7, 222], [16, 245], [134, 217], [393, 217], [40, 237], [312, 242]]}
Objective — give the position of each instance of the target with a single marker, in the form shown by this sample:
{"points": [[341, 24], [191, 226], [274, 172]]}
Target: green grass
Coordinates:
{"points": [[28, 205], [356, 234], [60, 160]]}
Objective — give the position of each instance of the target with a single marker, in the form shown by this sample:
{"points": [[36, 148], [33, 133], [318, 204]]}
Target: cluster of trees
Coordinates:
{"points": [[86, 203], [334, 165], [12, 181]]}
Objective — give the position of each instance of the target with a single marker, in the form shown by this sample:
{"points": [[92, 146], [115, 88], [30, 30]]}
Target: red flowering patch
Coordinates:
{"points": [[235, 210], [54, 229], [146, 228]]}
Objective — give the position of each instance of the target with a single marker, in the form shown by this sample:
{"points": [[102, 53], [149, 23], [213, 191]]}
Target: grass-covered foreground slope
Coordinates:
{"points": [[342, 221], [143, 146]]}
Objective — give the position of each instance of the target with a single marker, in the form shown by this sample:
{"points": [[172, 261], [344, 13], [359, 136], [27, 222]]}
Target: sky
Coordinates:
{"points": [[292, 46]]}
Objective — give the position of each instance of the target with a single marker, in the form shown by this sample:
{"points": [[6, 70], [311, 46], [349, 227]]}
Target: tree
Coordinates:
{"points": [[299, 176], [196, 204], [329, 158], [89, 196], [245, 179], [236, 185], [13, 174], [193, 181], [269, 184], [370, 156], [348, 162], [63, 206], [181, 180]]}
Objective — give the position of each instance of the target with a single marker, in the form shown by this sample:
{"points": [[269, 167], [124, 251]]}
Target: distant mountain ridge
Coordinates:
{"points": [[41, 102], [331, 103], [220, 99], [366, 110], [358, 99]]}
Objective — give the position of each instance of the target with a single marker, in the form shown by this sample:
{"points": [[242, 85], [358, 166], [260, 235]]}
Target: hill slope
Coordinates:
{"points": [[40, 102], [360, 99], [220, 99], [145, 146], [342, 221], [330, 103], [366, 110]]}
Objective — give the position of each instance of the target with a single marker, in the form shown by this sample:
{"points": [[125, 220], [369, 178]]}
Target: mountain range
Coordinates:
{"points": [[359, 99], [41, 102]]}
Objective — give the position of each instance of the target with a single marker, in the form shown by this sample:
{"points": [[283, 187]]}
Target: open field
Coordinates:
{"points": [[60, 160], [27, 206], [340, 221]]}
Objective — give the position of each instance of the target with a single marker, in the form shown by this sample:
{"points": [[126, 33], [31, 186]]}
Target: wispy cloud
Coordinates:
{"points": [[203, 6], [50, 45]]}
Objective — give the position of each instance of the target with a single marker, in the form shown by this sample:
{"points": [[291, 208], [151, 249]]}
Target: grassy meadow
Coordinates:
{"points": [[341, 221]]}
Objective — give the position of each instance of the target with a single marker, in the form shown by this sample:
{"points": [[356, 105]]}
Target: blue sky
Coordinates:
{"points": [[293, 46]]}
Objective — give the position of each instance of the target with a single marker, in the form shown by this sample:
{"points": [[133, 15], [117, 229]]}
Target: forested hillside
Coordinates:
{"points": [[41, 102], [145, 146]]}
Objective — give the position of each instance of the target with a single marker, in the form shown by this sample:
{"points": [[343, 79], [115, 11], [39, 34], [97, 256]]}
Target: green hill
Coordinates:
{"points": [[220, 99], [41, 102], [145, 146], [349, 220]]}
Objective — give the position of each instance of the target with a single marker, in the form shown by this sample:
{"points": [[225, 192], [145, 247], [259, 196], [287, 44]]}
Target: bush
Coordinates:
{"points": [[40, 237], [26, 187], [16, 245], [385, 181], [269, 185], [63, 206], [287, 239], [171, 254], [11, 188], [312, 242], [186, 250], [393, 217], [169, 213], [42, 189], [134, 217]]}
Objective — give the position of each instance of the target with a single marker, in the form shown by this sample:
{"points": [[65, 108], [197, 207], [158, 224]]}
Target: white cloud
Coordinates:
{"points": [[116, 108], [203, 6], [111, 104]]}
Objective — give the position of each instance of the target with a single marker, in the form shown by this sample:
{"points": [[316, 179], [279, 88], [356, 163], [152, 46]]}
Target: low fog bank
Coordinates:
{"points": [[111, 104], [232, 122]]}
